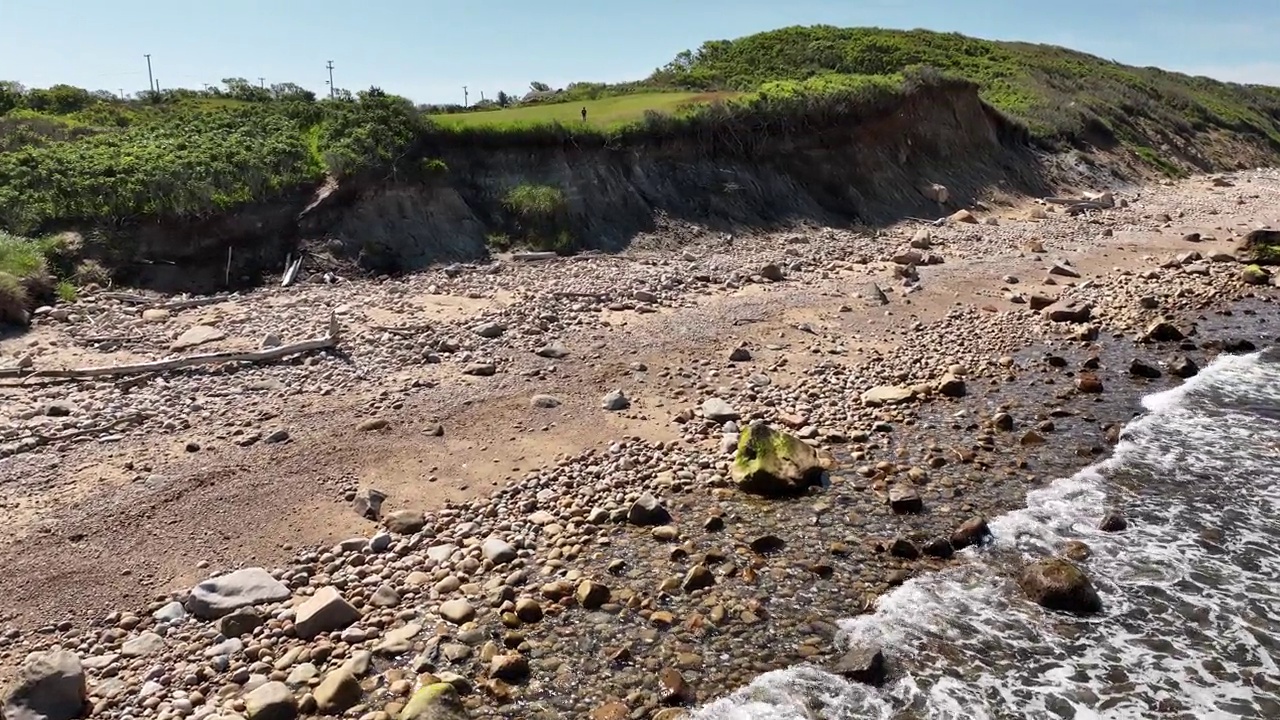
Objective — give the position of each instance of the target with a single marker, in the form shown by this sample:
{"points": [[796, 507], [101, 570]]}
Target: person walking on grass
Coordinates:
{"points": [[584, 113]]}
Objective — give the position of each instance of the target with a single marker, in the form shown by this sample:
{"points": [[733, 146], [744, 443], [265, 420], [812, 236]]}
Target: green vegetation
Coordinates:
{"points": [[24, 275], [538, 216], [608, 113]]}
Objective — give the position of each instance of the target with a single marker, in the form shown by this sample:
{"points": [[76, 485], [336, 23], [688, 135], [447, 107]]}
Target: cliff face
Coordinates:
{"points": [[870, 172]]}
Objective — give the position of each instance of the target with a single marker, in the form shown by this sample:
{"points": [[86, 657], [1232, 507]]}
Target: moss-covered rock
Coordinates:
{"points": [[1059, 584], [1260, 247], [774, 462], [1254, 275], [439, 701]]}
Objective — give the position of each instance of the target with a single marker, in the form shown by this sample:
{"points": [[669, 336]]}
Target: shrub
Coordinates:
{"points": [[13, 301], [66, 291], [534, 201], [91, 272]]}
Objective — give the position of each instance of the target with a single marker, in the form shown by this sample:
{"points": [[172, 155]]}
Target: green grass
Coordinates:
{"points": [[531, 201], [604, 113]]}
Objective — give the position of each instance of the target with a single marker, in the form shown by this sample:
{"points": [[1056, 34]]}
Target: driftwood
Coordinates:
{"points": [[291, 271], [407, 331], [329, 340], [152, 303], [534, 256], [571, 294], [73, 434]]}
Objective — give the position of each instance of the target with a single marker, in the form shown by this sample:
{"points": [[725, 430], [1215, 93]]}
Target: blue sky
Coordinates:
{"points": [[427, 49]]}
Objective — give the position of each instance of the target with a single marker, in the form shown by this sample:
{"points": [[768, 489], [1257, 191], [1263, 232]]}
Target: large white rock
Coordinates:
{"points": [[323, 612], [49, 686], [224, 594]]}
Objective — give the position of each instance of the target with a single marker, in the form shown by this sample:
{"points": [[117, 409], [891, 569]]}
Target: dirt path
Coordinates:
{"points": [[95, 526]]}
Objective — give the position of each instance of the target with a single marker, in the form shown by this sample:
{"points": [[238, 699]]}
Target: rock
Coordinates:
{"points": [[1113, 521], [1254, 275], [529, 610], [1076, 550], [270, 701], [457, 611], [1059, 584], [611, 711], [939, 548], [197, 335], [1068, 311], [1183, 367], [270, 340], [148, 643], [644, 296], [774, 462], [615, 401], [718, 410], [771, 272], [935, 192], [338, 691], [50, 685], [864, 665], [511, 668], [697, 578], [155, 315], [1191, 237], [480, 369], [1162, 331], [1260, 247], [887, 395], [592, 595], [1062, 269], [903, 499], [278, 435], [224, 594], [489, 330], [325, 611], [739, 354], [404, 522], [971, 532], [951, 386], [647, 511], [901, 547], [673, 689], [372, 424], [1142, 369], [767, 544], [875, 296], [554, 351], [240, 622], [438, 701], [368, 503], [1039, 302], [1090, 384], [908, 257], [545, 402], [962, 216], [498, 551], [171, 612]]}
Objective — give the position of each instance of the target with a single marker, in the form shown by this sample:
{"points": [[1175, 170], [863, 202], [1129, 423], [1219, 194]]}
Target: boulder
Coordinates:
{"points": [[1254, 275], [1059, 584], [1162, 331], [405, 522], [438, 701], [498, 551], [963, 216], [971, 532], [50, 685], [323, 612], [1068, 311], [887, 395], [225, 594], [368, 503], [1260, 247], [775, 462], [646, 510], [615, 401], [270, 701], [718, 410], [338, 691], [935, 192], [864, 665]]}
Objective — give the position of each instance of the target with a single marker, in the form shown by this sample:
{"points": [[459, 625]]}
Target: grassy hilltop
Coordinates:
{"points": [[71, 158]]}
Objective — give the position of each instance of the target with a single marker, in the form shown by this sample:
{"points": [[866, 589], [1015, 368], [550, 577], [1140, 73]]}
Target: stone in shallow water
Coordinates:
{"points": [[1059, 584]]}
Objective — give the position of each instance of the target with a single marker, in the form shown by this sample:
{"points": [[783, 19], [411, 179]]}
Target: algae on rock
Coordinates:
{"points": [[438, 701], [774, 462]]}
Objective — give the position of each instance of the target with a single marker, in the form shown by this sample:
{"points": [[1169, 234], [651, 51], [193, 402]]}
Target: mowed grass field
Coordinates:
{"points": [[602, 113]]}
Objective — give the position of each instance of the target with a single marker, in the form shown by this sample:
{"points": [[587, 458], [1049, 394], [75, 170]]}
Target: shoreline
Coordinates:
{"points": [[550, 518]]}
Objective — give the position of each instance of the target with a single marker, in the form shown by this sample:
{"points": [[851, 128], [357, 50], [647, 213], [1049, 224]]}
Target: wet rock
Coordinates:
{"points": [[325, 611], [673, 689], [697, 578], [1059, 584], [1238, 345], [270, 701], [903, 548], [1076, 550], [647, 511], [591, 595], [903, 499], [1113, 521], [240, 622], [511, 668], [50, 685], [224, 594], [774, 462], [437, 701], [865, 665], [973, 531], [1089, 384], [1162, 331], [1068, 311], [951, 386], [1183, 367], [611, 711], [939, 548], [1260, 247], [1142, 369], [767, 544]]}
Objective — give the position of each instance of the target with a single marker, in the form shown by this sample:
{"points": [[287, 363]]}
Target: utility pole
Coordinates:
{"points": [[465, 97], [330, 66], [151, 83], [262, 82], [121, 93]]}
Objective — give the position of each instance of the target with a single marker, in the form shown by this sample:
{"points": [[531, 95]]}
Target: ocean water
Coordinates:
{"points": [[1191, 625]]}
